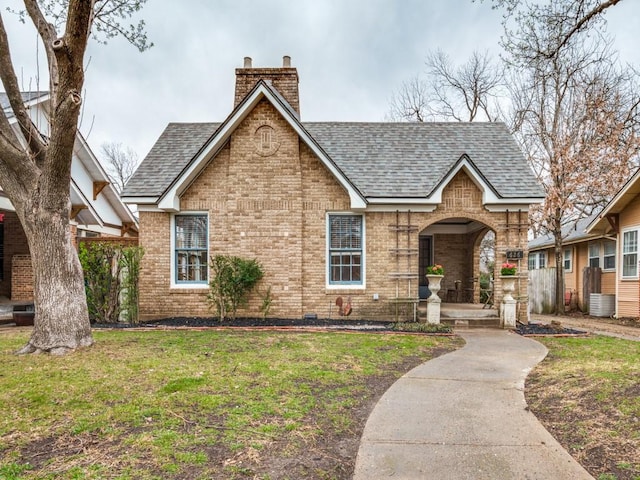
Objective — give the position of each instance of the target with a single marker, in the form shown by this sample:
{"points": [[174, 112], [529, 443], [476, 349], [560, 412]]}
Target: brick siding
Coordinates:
{"points": [[273, 207]]}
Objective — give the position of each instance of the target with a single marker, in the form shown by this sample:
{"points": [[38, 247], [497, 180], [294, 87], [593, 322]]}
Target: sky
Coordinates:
{"points": [[351, 56]]}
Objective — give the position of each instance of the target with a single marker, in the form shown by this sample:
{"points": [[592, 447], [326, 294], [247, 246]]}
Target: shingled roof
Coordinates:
{"points": [[383, 160], [26, 98]]}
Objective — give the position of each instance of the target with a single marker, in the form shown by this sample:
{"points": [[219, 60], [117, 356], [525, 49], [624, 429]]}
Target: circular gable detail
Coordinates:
{"points": [[265, 140]]}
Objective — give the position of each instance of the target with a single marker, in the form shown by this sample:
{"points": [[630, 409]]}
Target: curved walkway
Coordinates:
{"points": [[463, 416]]}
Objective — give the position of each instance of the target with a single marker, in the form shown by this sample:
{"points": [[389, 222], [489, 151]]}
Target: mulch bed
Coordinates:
{"points": [[533, 329]]}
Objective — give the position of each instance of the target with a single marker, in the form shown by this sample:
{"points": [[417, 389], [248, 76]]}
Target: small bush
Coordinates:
{"points": [[232, 278], [111, 276]]}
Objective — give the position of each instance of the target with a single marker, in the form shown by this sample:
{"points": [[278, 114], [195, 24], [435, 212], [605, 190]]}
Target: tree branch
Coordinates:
{"points": [[48, 34], [12, 89]]}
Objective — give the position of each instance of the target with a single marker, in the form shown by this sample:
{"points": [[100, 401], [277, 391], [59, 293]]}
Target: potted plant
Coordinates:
{"points": [[507, 275], [508, 269], [435, 273]]}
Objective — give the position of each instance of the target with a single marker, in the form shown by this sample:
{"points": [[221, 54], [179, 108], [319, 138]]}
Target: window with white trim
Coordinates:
{"points": [[630, 254], [594, 254], [537, 260], [609, 255], [567, 260], [345, 249], [191, 248], [603, 254]]}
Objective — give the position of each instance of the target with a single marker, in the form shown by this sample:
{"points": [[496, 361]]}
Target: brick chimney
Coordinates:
{"points": [[284, 79]]}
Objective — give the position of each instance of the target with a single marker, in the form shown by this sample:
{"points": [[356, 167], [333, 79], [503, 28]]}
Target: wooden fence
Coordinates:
{"points": [[542, 290]]}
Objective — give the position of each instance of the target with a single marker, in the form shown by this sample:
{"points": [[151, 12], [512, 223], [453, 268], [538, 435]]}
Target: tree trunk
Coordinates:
{"points": [[559, 273], [61, 318]]}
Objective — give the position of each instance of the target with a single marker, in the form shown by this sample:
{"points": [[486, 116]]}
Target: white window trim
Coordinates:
{"points": [[537, 255], [621, 257], [185, 285], [333, 286], [570, 250], [615, 253]]}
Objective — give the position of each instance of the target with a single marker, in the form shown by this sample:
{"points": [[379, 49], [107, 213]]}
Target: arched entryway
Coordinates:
{"points": [[466, 249]]}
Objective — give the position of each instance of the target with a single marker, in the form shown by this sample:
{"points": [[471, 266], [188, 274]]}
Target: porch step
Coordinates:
{"points": [[487, 322]]}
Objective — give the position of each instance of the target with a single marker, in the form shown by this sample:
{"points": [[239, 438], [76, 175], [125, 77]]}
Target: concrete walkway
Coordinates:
{"points": [[463, 416]]}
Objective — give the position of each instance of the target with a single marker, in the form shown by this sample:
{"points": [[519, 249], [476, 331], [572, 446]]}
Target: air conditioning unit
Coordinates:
{"points": [[602, 305]]}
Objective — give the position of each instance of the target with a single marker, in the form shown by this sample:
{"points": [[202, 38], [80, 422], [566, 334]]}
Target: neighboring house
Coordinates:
{"points": [[330, 209], [608, 240], [620, 220], [96, 208], [579, 251]]}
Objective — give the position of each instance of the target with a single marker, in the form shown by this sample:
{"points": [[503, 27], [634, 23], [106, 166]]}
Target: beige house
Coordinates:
{"points": [[608, 241], [330, 209]]}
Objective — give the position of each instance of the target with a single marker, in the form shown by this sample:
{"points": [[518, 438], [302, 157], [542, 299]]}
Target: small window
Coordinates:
{"points": [[345, 250], [630, 254], [567, 260], [609, 255], [191, 249], [594, 254], [537, 260]]}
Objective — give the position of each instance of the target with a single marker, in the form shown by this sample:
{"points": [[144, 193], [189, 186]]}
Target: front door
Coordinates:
{"points": [[425, 258]]}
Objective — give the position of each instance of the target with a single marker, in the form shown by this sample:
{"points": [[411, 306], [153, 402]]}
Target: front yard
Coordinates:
{"points": [[180, 404]]}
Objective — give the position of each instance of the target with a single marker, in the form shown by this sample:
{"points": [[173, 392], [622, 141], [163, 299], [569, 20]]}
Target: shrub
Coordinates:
{"points": [[111, 275], [232, 278]]}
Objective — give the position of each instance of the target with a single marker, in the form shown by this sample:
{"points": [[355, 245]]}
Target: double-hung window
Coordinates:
{"points": [[609, 255], [345, 239], [594, 254], [537, 260], [630, 254], [190, 248], [567, 260]]}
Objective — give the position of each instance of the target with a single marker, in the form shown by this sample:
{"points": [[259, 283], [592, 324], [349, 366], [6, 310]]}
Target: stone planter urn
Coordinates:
{"points": [[433, 302], [508, 306], [435, 282], [508, 286]]}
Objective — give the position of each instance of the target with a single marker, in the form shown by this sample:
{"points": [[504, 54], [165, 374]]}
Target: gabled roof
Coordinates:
{"points": [[625, 195], [375, 162], [574, 232], [27, 97]]}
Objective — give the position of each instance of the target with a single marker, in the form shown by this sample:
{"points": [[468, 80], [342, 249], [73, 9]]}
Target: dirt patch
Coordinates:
{"points": [[585, 427]]}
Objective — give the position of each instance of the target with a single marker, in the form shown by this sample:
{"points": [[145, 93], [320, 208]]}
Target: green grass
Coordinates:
{"points": [[587, 393], [188, 404]]}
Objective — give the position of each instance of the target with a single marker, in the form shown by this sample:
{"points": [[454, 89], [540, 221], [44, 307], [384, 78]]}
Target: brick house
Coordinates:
{"points": [[97, 210], [330, 209]]}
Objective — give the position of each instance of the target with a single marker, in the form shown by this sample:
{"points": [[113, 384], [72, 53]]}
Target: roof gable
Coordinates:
{"points": [[169, 200], [625, 195]]}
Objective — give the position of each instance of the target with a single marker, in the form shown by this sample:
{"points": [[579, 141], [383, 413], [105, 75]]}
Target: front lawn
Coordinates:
{"points": [[216, 404], [587, 394]]}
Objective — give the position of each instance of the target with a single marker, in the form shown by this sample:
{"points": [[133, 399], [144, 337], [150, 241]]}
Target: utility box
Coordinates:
{"points": [[602, 305]]}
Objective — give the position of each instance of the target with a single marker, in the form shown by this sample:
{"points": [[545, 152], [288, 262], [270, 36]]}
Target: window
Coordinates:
{"points": [[630, 254], [191, 248], [594, 254], [537, 260], [603, 254], [567, 260], [345, 250], [609, 258]]}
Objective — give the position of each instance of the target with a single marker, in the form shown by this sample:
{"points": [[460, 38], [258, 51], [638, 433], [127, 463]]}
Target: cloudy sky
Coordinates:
{"points": [[350, 54]]}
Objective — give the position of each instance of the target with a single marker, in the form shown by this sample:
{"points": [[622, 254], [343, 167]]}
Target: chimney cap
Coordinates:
{"points": [[247, 62], [286, 61]]}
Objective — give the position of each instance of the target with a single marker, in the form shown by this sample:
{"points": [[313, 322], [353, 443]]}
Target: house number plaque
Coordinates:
{"points": [[515, 254]]}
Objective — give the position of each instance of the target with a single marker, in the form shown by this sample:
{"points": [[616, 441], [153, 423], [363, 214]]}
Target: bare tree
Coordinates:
{"points": [[467, 92], [575, 113], [120, 163], [35, 166]]}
